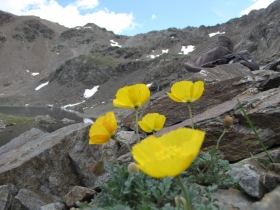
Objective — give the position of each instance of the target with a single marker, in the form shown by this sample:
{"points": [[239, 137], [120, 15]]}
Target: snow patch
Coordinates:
{"points": [[70, 105], [154, 56], [187, 49], [151, 56], [203, 72], [87, 120], [90, 92], [114, 44], [213, 34], [42, 85]]}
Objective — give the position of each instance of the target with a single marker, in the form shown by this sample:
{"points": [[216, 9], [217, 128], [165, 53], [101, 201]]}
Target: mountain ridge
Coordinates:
{"points": [[75, 59]]}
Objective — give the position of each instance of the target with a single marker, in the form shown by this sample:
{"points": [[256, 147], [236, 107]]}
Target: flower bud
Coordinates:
{"points": [[180, 200], [228, 121], [97, 168], [132, 168]]}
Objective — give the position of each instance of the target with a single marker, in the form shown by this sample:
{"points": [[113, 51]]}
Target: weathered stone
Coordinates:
{"points": [[272, 177], [239, 141], [128, 137], [6, 196], [83, 155], [218, 89], [249, 181], [273, 65], [78, 193], [21, 140], [16, 204], [125, 159], [53, 206], [270, 201], [30, 199], [234, 199], [43, 164], [266, 79], [273, 152]]}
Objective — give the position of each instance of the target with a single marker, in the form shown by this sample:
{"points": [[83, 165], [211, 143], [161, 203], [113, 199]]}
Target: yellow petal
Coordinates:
{"points": [[171, 167], [122, 100], [152, 122], [99, 139], [143, 125], [169, 154], [198, 89], [102, 129], [174, 98], [138, 94], [182, 89], [110, 122], [98, 134], [149, 119], [145, 150], [159, 122], [186, 91]]}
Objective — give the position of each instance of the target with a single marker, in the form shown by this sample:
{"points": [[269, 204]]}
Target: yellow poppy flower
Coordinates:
{"points": [[132, 96], [103, 129], [170, 154], [152, 122], [186, 91]]}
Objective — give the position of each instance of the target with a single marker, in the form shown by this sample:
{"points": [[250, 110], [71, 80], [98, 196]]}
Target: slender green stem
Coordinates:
{"points": [[218, 142], [122, 142], [190, 113], [109, 150], [185, 192], [136, 123], [254, 130]]}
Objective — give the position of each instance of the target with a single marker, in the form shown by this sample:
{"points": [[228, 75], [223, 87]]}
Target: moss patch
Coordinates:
{"points": [[10, 119]]}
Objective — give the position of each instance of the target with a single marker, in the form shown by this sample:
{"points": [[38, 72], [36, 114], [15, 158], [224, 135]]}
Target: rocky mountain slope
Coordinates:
{"points": [[70, 60], [53, 168]]}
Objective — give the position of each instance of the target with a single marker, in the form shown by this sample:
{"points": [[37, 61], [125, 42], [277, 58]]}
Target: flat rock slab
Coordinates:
{"points": [[42, 163]]}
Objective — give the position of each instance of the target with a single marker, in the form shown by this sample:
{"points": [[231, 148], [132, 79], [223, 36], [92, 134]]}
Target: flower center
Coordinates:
{"points": [[168, 153]]}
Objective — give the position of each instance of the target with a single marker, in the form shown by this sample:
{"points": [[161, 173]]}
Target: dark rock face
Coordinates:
{"points": [[264, 36], [239, 141], [269, 202], [33, 155], [84, 69], [5, 18], [87, 55], [31, 29], [219, 88]]}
